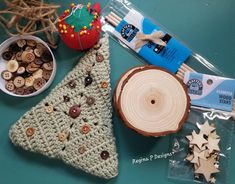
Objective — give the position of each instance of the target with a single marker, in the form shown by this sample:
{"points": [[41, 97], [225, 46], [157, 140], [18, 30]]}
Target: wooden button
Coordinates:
{"points": [[19, 81], [29, 132], [29, 81], [46, 56], [99, 57], [90, 100], [12, 66], [31, 68], [20, 91], [18, 56], [38, 52], [104, 84], [29, 90], [7, 55], [72, 84], [39, 83], [21, 43], [82, 149], [6, 75], [49, 109], [74, 111], [48, 66], [27, 57], [21, 70], [88, 68], [38, 74], [10, 86], [38, 61], [14, 48], [104, 155], [31, 43], [85, 129], [46, 74], [62, 136]]}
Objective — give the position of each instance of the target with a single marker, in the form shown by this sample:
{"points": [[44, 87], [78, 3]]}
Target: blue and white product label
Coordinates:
{"points": [[169, 57], [210, 91]]}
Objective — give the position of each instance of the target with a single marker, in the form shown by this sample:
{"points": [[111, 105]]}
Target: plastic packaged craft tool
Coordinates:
{"points": [[149, 40]]}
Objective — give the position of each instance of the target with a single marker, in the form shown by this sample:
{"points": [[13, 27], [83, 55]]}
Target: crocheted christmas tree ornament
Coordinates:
{"points": [[74, 122]]}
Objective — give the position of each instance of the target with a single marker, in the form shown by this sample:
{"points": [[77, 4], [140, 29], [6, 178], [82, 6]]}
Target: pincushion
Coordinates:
{"points": [[80, 26]]}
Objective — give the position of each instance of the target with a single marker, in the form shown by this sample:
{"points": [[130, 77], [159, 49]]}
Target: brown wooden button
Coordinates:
{"points": [[38, 61], [49, 109], [20, 91], [7, 55], [21, 70], [85, 129], [6, 75], [48, 66], [74, 111], [27, 57], [38, 52], [18, 56], [46, 74], [104, 84], [82, 149], [39, 83], [10, 86], [62, 136], [99, 57], [38, 74], [30, 68], [19, 81], [46, 56], [90, 100], [31, 43], [104, 155], [29, 90], [12, 66], [72, 84], [29, 132], [29, 81], [21, 43]]}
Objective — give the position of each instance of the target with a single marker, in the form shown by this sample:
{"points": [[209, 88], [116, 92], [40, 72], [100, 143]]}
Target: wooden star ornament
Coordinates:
{"points": [[198, 139]]}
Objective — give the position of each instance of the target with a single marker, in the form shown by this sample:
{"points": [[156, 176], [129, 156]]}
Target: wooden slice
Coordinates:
{"points": [[152, 101]]}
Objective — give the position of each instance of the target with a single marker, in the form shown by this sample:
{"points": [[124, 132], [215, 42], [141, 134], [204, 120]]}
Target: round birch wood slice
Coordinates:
{"points": [[152, 101]]}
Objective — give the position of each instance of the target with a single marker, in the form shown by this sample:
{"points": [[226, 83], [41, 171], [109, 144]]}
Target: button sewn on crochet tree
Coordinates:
{"points": [[90, 100], [88, 80], [104, 155], [62, 136], [30, 131], [81, 149], [104, 84], [99, 57], [74, 111], [49, 109], [72, 84], [66, 98], [85, 129]]}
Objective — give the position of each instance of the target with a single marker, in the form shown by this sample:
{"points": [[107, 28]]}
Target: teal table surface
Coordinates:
{"points": [[208, 26]]}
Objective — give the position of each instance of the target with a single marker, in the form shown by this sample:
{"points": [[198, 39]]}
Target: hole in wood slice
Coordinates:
{"points": [[152, 101]]}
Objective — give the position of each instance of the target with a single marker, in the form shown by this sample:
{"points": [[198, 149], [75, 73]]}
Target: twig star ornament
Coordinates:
{"points": [[204, 151]]}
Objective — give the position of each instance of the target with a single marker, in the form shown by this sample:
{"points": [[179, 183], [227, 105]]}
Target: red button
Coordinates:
{"points": [[74, 111]]}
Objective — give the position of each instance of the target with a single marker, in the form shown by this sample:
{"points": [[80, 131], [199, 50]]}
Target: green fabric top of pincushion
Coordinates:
{"points": [[80, 18]]}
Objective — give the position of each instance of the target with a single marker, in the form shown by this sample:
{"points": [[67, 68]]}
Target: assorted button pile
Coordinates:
{"points": [[29, 65]]}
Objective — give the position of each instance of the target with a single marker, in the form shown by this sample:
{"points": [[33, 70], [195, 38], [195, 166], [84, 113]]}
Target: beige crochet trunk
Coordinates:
{"points": [[74, 122]]}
